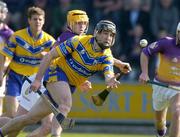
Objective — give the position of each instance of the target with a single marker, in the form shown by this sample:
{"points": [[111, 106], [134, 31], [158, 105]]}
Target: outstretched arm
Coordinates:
{"points": [[86, 86], [123, 66], [143, 78], [43, 66]]}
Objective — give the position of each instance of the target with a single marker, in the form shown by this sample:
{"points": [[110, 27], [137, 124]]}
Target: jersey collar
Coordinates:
{"points": [[30, 34]]}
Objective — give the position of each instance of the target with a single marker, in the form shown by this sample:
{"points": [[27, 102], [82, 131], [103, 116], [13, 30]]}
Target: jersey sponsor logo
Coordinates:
{"points": [[27, 60], [78, 67]]}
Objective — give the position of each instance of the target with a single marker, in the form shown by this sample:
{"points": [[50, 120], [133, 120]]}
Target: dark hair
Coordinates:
{"points": [[35, 11]]}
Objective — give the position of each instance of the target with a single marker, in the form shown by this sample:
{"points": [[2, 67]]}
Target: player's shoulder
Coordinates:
{"points": [[47, 36], [7, 28], [108, 52], [83, 37], [166, 41], [20, 32]]}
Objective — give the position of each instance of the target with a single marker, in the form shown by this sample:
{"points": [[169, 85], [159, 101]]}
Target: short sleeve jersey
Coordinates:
{"points": [[79, 60], [25, 51]]}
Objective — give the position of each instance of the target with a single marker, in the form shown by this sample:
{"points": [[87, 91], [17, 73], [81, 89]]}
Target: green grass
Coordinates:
{"points": [[23, 134]]}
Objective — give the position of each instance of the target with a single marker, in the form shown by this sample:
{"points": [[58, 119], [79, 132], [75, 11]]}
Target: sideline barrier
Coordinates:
{"points": [[127, 102]]}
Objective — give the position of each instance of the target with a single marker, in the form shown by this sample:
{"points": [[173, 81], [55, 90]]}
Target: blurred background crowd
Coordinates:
{"points": [[135, 19]]}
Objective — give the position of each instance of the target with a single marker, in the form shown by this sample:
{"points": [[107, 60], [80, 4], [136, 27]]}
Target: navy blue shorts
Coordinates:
{"points": [[14, 84], [57, 74]]}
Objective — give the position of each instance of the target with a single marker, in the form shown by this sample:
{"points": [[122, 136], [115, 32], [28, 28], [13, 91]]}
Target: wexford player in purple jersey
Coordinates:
{"points": [[5, 33], [168, 72]]}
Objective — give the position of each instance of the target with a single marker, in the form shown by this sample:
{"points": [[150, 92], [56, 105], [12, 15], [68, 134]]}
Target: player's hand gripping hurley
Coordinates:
{"points": [[99, 99]]}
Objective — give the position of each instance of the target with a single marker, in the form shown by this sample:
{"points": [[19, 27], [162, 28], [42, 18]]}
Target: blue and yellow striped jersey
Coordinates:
{"points": [[79, 60], [25, 51]]}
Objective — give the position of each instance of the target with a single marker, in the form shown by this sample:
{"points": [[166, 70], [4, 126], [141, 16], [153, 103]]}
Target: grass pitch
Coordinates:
{"points": [[23, 134]]}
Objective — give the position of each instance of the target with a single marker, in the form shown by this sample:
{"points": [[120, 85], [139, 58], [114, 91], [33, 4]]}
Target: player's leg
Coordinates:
{"points": [[44, 129], [1, 105], [4, 120], [2, 94], [160, 105], [13, 89], [20, 111], [11, 105], [175, 114], [56, 128], [160, 122], [61, 94], [39, 111]]}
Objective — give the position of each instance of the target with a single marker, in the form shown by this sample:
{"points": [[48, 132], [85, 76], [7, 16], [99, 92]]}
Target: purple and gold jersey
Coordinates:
{"points": [[5, 33], [79, 60], [65, 35], [25, 51], [168, 69]]}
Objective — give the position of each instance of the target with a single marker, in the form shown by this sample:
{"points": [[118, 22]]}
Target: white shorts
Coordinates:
{"points": [[28, 99], [2, 88], [161, 97]]}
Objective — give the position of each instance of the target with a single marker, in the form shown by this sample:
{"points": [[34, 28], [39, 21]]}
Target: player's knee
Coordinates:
{"points": [[65, 108], [65, 105]]}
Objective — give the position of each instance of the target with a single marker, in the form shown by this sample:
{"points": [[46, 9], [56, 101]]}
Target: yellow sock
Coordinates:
{"points": [[160, 125]]}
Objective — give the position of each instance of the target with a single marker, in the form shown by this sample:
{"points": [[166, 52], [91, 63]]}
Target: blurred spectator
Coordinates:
{"points": [[131, 18], [16, 11], [177, 4], [111, 10], [146, 5], [107, 9], [58, 17], [164, 19], [133, 53]]}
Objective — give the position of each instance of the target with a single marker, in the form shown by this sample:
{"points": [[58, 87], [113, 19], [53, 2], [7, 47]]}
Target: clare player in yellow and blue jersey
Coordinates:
{"points": [[73, 62], [25, 49], [25, 52], [79, 60]]}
